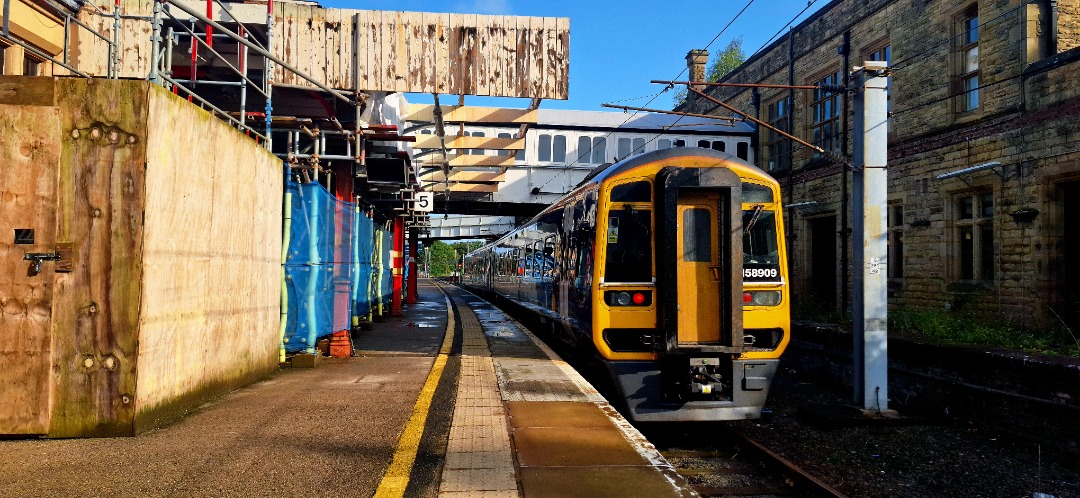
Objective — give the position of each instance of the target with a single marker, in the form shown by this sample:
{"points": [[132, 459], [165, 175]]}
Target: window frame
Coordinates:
{"points": [[825, 112], [776, 146], [964, 77], [977, 224]]}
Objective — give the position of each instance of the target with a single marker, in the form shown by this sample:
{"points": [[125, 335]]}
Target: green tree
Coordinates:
{"points": [[440, 258], [724, 62]]}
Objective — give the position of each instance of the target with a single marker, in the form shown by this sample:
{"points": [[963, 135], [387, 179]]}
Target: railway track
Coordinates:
{"points": [[718, 461]]}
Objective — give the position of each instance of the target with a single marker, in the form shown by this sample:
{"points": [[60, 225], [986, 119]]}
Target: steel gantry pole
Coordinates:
{"points": [[870, 337]]}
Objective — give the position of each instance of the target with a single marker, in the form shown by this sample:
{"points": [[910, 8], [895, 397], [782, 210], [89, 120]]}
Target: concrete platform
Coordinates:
{"points": [[432, 405]]}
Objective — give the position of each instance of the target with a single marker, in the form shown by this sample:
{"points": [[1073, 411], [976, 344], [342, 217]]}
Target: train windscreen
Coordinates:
{"points": [[761, 254], [629, 246]]}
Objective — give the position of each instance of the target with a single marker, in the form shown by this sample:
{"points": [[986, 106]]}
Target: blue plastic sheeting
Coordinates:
{"points": [[319, 270], [363, 254], [385, 285]]}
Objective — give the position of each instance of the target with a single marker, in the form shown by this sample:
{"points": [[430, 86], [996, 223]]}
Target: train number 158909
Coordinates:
{"points": [[760, 272]]}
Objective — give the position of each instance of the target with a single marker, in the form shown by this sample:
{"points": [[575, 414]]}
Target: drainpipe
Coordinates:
{"points": [[286, 235]]}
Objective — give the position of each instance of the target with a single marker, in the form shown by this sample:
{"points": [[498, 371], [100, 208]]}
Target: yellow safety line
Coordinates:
{"points": [[396, 478]]}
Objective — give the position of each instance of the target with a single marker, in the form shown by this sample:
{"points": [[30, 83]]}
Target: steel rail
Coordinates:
{"points": [[202, 42]]}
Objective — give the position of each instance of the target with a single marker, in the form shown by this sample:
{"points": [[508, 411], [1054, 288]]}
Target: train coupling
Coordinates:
{"points": [[705, 377]]}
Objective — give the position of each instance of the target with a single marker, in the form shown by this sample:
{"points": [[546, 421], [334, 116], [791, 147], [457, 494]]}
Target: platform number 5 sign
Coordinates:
{"points": [[425, 201]]}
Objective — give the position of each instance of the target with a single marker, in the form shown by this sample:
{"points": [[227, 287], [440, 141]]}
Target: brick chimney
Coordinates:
{"points": [[695, 62]]}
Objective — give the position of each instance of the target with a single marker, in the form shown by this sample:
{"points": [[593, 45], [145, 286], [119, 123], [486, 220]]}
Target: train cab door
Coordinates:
{"points": [[697, 268], [699, 277]]}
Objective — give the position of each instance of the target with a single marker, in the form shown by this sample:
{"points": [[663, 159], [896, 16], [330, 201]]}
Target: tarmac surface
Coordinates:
{"points": [[484, 410]]}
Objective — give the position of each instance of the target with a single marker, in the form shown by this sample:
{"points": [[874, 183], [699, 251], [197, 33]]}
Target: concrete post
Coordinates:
{"points": [[870, 234]]}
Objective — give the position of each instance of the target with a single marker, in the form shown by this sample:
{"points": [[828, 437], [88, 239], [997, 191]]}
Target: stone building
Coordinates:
{"points": [[984, 170]]}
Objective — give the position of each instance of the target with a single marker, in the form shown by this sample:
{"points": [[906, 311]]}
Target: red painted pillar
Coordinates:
{"points": [[399, 251], [414, 240]]}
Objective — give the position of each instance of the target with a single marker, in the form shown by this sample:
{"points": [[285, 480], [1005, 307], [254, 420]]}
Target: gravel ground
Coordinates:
{"points": [[906, 457]]}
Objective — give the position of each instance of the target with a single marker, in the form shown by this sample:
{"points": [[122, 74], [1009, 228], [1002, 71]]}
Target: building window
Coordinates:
{"points": [[663, 143], [630, 147], [884, 54], [742, 151], [31, 66], [719, 145], [591, 150], [969, 60], [825, 121], [552, 148], [777, 147], [504, 152], [975, 236], [679, 143], [896, 241]]}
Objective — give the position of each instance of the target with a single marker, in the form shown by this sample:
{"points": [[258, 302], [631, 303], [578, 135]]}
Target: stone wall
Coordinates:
{"points": [[1022, 121]]}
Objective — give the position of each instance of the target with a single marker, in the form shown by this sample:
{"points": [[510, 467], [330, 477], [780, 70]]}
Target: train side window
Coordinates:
{"points": [[632, 192], [742, 149], [719, 145], [704, 144]]}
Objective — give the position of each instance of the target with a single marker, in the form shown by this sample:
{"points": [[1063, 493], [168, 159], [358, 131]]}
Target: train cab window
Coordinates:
{"points": [[761, 254], [629, 246], [754, 193], [632, 192]]}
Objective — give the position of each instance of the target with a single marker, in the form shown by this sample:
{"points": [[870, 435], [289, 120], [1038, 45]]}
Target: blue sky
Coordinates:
{"points": [[617, 47]]}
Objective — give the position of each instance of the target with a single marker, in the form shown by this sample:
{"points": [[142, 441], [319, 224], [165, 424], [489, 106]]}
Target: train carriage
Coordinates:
{"points": [[670, 267]]}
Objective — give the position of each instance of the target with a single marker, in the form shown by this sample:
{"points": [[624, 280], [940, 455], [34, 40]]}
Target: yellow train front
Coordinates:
{"points": [[670, 266]]}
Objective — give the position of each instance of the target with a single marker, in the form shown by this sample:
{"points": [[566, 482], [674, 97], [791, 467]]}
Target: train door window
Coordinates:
{"points": [[754, 193], [719, 145], [742, 150], [697, 236]]}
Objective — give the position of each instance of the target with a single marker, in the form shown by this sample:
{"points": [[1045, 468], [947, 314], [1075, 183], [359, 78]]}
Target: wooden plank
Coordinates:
{"points": [[523, 58], [481, 55], [28, 199], [385, 64], [429, 47], [562, 87], [457, 59], [415, 78], [432, 142], [467, 177], [461, 160], [443, 55], [469, 34], [333, 54], [509, 55], [551, 53], [318, 45], [468, 187], [349, 47], [537, 67], [364, 49], [472, 114], [401, 51]]}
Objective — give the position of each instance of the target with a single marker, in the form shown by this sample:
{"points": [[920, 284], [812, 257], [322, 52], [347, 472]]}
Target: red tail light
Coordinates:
{"points": [[747, 298], [639, 298]]}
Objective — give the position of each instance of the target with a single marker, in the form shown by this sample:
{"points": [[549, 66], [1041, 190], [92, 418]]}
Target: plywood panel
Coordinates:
{"points": [[211, 287], [96, 306], [562, 58], [30, 154], [472, 114]]}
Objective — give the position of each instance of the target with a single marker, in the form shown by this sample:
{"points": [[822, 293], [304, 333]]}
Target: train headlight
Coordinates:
{"points": [[622, 299], [761, 298]]}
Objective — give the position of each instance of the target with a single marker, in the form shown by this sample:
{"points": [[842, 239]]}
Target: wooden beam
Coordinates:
{"points": [[466, 177], [433, 142], [471, 114], [462, 187]]}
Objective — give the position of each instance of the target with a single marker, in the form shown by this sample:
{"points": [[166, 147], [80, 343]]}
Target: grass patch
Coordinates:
{"points": [[970, 329]]}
